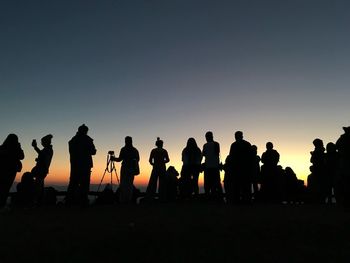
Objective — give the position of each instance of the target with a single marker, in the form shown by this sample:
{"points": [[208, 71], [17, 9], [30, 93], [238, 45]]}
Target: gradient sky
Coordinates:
{"points": [[277, 70]]}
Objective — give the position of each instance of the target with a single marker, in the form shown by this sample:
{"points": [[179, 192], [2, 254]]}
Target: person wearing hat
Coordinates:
{"points": [[81, 149], [41, 169]]}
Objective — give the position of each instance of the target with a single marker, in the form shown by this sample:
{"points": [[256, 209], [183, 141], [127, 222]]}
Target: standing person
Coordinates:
{"points": [[318, 160], [191, 159], [158, 159], [81, 149], [211, 153], [11, 155], [242, 162], [129, 156], [343, 181], [270, 174], [256, 171], [331, 166], [41, 169]]}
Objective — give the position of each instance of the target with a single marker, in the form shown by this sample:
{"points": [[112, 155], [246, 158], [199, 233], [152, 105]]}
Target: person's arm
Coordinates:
{"points": [[120, 157], [231, 150], [204, 153], [166, 157], [137, 155], [151, 159], [93, 149], [200, 154], [263, 158], [21, 152], [35, 146]]}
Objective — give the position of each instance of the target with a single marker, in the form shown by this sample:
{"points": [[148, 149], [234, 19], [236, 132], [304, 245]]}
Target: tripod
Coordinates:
{"points": [[110, 168]]}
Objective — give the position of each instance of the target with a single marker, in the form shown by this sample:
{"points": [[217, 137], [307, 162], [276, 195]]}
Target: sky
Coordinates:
{"points": [[276, 70]]}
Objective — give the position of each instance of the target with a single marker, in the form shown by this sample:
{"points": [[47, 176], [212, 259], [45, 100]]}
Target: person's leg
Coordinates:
{"points": [[84, 179], [5, 185], [152, 185]]}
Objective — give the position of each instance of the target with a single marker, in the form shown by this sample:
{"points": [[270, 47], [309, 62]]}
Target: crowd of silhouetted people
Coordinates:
{"points": [[248, 178]]}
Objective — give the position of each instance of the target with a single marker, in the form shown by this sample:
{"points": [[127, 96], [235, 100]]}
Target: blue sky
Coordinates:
{"points": [[278, 70]]}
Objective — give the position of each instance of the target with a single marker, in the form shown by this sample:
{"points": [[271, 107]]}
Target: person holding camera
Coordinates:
{"points": [[41, 169], [129, 156]]}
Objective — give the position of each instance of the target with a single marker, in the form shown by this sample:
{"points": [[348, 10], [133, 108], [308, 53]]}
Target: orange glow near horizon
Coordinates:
{"points": [[294, 152], [294, 155], [59, 172]]}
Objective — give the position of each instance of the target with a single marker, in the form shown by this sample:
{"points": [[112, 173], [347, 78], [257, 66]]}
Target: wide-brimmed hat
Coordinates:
{"points": [[47, 138]]}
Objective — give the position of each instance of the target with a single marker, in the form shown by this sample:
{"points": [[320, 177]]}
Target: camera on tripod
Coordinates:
{"points": [[110, 168]]}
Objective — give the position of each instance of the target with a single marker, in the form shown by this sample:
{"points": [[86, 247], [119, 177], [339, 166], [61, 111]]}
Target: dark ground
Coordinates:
{"points": [[176, 233]]}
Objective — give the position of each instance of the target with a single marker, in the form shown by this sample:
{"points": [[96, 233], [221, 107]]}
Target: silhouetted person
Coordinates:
{"points": [[343, 146], [212, 181], [158, 159], [106, 197], [25, 190], [129, 156], [256, 170], [229, 181], [311, 188], [318, 163], [270, 174], [242, 161], [291, 186], [172, 183], [11, 155], [81, 149], [331, 169], [41, 169], [191, 164]]}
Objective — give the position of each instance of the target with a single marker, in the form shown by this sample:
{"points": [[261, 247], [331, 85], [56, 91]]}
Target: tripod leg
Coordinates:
{"points": [[116, 176], [99, 186]]}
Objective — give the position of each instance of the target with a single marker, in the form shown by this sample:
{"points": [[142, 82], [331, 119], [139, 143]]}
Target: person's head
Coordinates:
{"points": [[269, 145], [46, 140], [191, 143], [209, 136], [289, 170], [318, 143], [255, 149], [346, 129], [11, 140], [83, 129], [312, 168], [159, 143], [238, 135], [27, 177], [331, 147], [128, 141], [171, 171]]}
